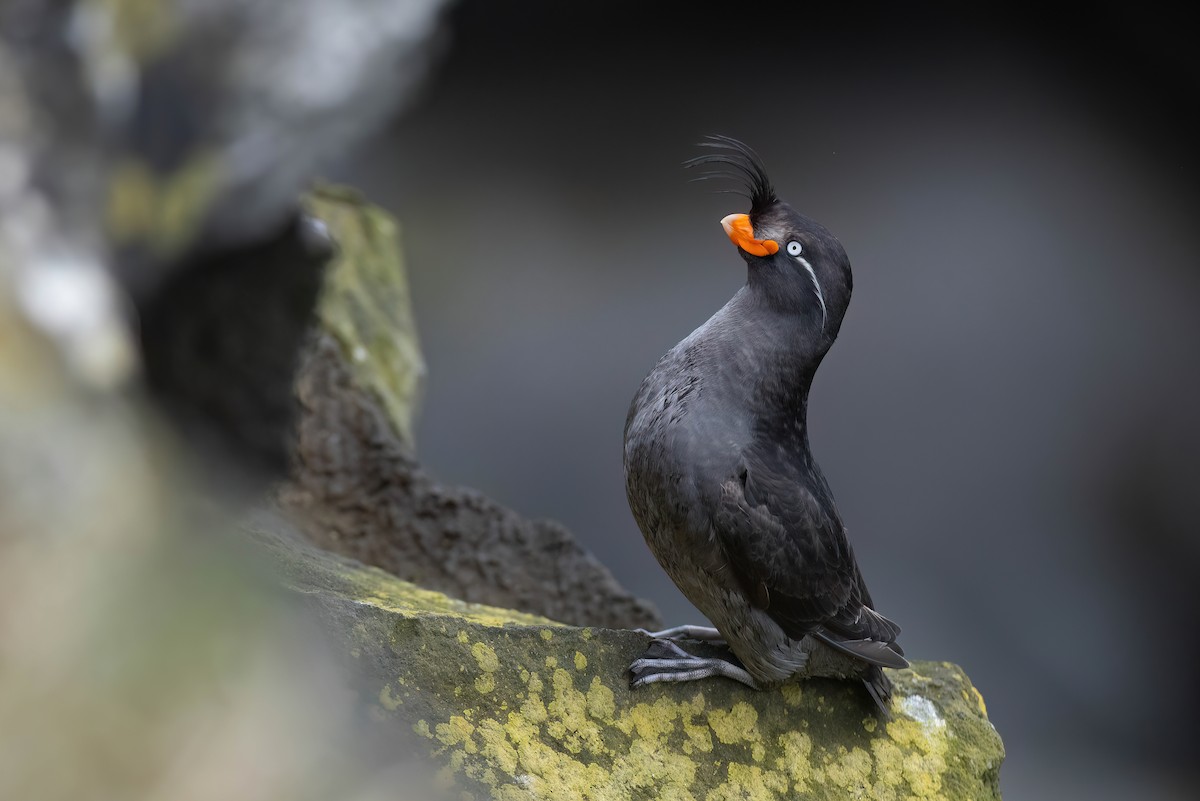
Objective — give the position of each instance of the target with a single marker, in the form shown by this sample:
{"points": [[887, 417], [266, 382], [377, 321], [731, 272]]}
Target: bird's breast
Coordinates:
{"points": [[683, 432]]}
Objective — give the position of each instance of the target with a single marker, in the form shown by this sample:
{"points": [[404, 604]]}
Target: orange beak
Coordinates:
{"points": [[739, 230]]}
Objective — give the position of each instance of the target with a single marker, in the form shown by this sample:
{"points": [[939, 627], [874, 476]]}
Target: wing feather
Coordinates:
{"points": [[785, 543]]}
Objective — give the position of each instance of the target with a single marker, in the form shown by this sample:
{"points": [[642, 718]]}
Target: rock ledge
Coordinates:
{"points": [[514, 706]]}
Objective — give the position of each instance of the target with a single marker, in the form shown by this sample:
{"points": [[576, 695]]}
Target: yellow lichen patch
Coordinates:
{"points": [[738, 724], [750, 783], [699, 738], [601, 703], [368, 586], [795, 753], [792, 693], [512, 792], [651, 721], [692, 716], [978, 697], [456, 731], [485, 656], [649, 770], [924, 759], [692, 708], [546, 635], [496, 748], [569, 722], [889, 761], [870, 724], [462, 637], [489, 663], [532, 707], [580, 661], [849, 770]]}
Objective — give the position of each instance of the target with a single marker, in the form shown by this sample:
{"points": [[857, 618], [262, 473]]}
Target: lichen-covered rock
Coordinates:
{"points": [[365, 303], [512, 706]]}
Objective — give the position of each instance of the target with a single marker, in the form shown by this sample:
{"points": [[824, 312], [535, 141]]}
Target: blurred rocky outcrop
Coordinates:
{"points": [[144, 143], [143, 653], [195, 123]]}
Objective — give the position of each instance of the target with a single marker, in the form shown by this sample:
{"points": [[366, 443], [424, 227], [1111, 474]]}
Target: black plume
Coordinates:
{"points": [[748, 165]]}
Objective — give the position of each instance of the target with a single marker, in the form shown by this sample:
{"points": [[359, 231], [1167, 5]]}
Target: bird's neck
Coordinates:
{"points": [[779, 356], [782, 408]]}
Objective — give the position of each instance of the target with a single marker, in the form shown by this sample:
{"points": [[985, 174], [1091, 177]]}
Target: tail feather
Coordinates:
{"points": [[870, 637], [876, 626], [874, 652], [863, 623], [879, 686]]}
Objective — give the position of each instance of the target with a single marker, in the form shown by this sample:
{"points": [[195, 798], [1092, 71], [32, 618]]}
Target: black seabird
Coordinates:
{"points": [[719, 473]]}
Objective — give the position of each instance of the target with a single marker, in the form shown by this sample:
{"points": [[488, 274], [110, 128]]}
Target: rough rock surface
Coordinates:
{"points": [[219, 348], [357, 488], [513, 706]]}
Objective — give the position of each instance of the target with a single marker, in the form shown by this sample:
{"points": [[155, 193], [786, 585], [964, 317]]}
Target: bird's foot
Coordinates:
{"points": [[702, 633], [666, 661]]}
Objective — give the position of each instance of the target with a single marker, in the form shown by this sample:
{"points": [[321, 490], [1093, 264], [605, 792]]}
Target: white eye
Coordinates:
{"points": [[794, 248]]}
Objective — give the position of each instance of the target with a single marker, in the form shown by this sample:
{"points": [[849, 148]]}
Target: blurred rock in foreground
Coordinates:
{"points": [[512, 706], [144, 653], [161, 127], [151, 157]]}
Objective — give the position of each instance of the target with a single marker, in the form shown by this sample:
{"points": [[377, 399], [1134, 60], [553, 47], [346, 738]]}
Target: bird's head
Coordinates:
{"points": [[794, 264]]}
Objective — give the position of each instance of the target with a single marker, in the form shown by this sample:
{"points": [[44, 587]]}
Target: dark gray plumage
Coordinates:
{"points": [[719, 473]]}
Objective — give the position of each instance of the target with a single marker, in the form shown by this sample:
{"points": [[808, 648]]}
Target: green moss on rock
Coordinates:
{"points": [[365, 303], [517, 707]]}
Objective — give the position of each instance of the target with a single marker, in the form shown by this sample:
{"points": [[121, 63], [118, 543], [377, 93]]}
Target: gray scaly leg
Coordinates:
{"points": [[666, 661], [702, 633]]}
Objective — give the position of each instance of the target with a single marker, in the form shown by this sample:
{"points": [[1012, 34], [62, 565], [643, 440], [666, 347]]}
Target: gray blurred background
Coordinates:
{"points": [[1009, 418]]}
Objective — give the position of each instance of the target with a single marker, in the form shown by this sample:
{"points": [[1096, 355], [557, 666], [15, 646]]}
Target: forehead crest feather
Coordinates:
{"points": [[746, 166]]}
